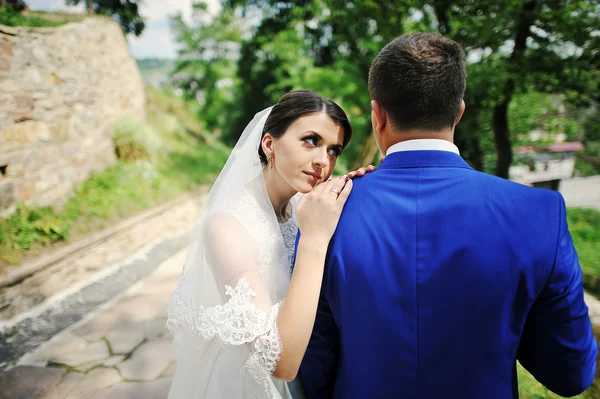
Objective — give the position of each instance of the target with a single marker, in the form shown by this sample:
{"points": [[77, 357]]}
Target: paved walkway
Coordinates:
{"points": [[121, 351]]}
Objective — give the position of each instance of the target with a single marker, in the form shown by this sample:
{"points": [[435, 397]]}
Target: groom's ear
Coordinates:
{"points": [[378, 116], [460, 112]]}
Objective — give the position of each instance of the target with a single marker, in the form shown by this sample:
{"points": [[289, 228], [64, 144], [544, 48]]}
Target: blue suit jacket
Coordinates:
{"points": [[438, 279]]}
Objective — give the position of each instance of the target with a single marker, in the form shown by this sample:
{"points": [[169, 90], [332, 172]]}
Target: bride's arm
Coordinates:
{"points": [[318, 213], [232, 253], [298, 311]]}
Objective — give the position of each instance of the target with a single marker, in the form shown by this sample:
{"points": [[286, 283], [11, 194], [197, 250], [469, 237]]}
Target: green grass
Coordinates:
{"points": [[584, 225], [529, 388], [182, 164], [30, 19]]}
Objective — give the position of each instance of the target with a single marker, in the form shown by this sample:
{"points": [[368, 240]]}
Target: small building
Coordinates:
{"points": [[546, 165]]}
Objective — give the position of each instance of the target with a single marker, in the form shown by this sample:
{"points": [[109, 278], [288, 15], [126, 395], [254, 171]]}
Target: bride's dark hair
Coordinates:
{"points": [[296, 104]]}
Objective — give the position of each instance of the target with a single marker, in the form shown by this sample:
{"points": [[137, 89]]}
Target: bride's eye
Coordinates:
{"points": [[312, 140], [335, 151]]}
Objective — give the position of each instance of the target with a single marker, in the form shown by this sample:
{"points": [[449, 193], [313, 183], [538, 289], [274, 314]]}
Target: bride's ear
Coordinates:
{"points": [[267, 144]]}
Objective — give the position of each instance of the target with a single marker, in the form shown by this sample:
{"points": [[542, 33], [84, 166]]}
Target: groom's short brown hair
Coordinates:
{"points": [[419, 79]]}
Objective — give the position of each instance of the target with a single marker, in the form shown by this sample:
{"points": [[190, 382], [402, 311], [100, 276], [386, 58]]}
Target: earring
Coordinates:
{"points": [[271, 157]]}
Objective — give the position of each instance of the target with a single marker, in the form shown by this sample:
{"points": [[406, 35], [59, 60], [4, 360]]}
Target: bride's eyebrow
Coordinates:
{"points": [[319, 138], [313, 134]]}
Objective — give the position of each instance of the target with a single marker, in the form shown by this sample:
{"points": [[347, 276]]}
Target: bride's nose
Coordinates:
{"points": [[321, 159]]}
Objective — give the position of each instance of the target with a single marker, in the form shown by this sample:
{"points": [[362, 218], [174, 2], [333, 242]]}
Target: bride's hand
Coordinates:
{"points": [[361, 171], [318, 212]]}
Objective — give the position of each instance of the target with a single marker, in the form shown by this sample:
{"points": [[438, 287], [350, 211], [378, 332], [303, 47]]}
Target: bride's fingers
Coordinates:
{"points": [[361, 171], [336, 186], [341, 201]]}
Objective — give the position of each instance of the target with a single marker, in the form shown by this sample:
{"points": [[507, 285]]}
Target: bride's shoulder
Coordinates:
{"points": [[242, 210]]}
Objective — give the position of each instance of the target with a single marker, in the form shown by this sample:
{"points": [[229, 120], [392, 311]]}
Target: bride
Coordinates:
{"points": [[239, 314]]}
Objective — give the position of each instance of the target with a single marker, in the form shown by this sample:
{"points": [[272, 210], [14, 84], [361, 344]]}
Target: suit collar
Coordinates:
{"points": [[423, 159], [423, 145]]}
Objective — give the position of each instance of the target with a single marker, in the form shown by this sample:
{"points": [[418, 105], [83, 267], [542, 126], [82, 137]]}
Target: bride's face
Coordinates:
{"points": [[307, 152]]}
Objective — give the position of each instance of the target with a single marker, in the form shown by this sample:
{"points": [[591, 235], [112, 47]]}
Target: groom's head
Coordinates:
{"points": [[417, 83]]}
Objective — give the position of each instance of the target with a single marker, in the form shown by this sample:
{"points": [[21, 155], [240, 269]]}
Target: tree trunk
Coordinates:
{"points": [[466, 138], [500, 117], [502, 139], [368, 151], [89, 6]]}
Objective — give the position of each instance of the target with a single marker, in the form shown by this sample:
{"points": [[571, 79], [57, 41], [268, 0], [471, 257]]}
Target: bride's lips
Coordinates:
{"points": [[313, 176]]}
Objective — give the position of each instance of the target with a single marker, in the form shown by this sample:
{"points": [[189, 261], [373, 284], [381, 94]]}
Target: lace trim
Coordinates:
{"points": [[236, 322], [264, 357]]}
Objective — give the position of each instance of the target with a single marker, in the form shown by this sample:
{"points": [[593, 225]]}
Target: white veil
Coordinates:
{"points": [[224, 310]]}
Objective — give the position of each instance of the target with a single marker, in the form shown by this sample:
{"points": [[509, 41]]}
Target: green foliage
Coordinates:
{"points": [[587, 162], [540, 111], [135, 140], [591, 126], [27, 226], [584, 225], [125, 12], [150, 64], [328, 46], [10, 17], [206, 66]]}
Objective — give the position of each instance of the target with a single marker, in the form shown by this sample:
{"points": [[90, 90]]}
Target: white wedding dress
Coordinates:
{"points": [[236, 275]]}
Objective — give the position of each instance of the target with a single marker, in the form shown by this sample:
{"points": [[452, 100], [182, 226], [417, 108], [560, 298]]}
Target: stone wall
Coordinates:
{"points": [[60, 90]]}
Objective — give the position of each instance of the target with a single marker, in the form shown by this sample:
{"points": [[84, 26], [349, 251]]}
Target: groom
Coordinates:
{"points": [[439, 277]]}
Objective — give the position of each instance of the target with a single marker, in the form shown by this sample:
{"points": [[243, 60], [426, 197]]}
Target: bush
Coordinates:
{"points": [[28, 226], [134, 140]]}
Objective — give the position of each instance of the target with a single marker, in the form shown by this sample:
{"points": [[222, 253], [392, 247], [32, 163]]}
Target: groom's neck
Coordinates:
{"points": [[394, 136]]}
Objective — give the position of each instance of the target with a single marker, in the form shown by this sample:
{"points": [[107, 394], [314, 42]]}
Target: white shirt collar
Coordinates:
{"points": [[423, 145]]}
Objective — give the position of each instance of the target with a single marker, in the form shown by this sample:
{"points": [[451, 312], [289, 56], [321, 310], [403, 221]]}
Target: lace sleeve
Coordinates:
{"points": [[246, 316]]}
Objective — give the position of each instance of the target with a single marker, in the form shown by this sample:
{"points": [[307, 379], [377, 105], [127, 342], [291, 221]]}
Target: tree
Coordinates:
{"points": [[534, 45], [513, 47], [16, 5], [206, 66], [125, 12], [340, 37]]}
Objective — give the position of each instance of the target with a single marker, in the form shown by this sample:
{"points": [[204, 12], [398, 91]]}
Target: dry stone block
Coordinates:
{"points": [[148, 362], [124, 340], [138, 390], [5, 48], [4, 64], [98, 351], [65, 387], [27, 382], [96, 381], [7, 194], [25, 132]]}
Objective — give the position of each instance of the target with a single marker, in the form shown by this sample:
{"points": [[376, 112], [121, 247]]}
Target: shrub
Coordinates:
{"points": [[134, 140]]}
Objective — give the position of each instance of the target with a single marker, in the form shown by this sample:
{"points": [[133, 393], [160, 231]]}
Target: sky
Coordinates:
{"points": [[157, 39]]}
